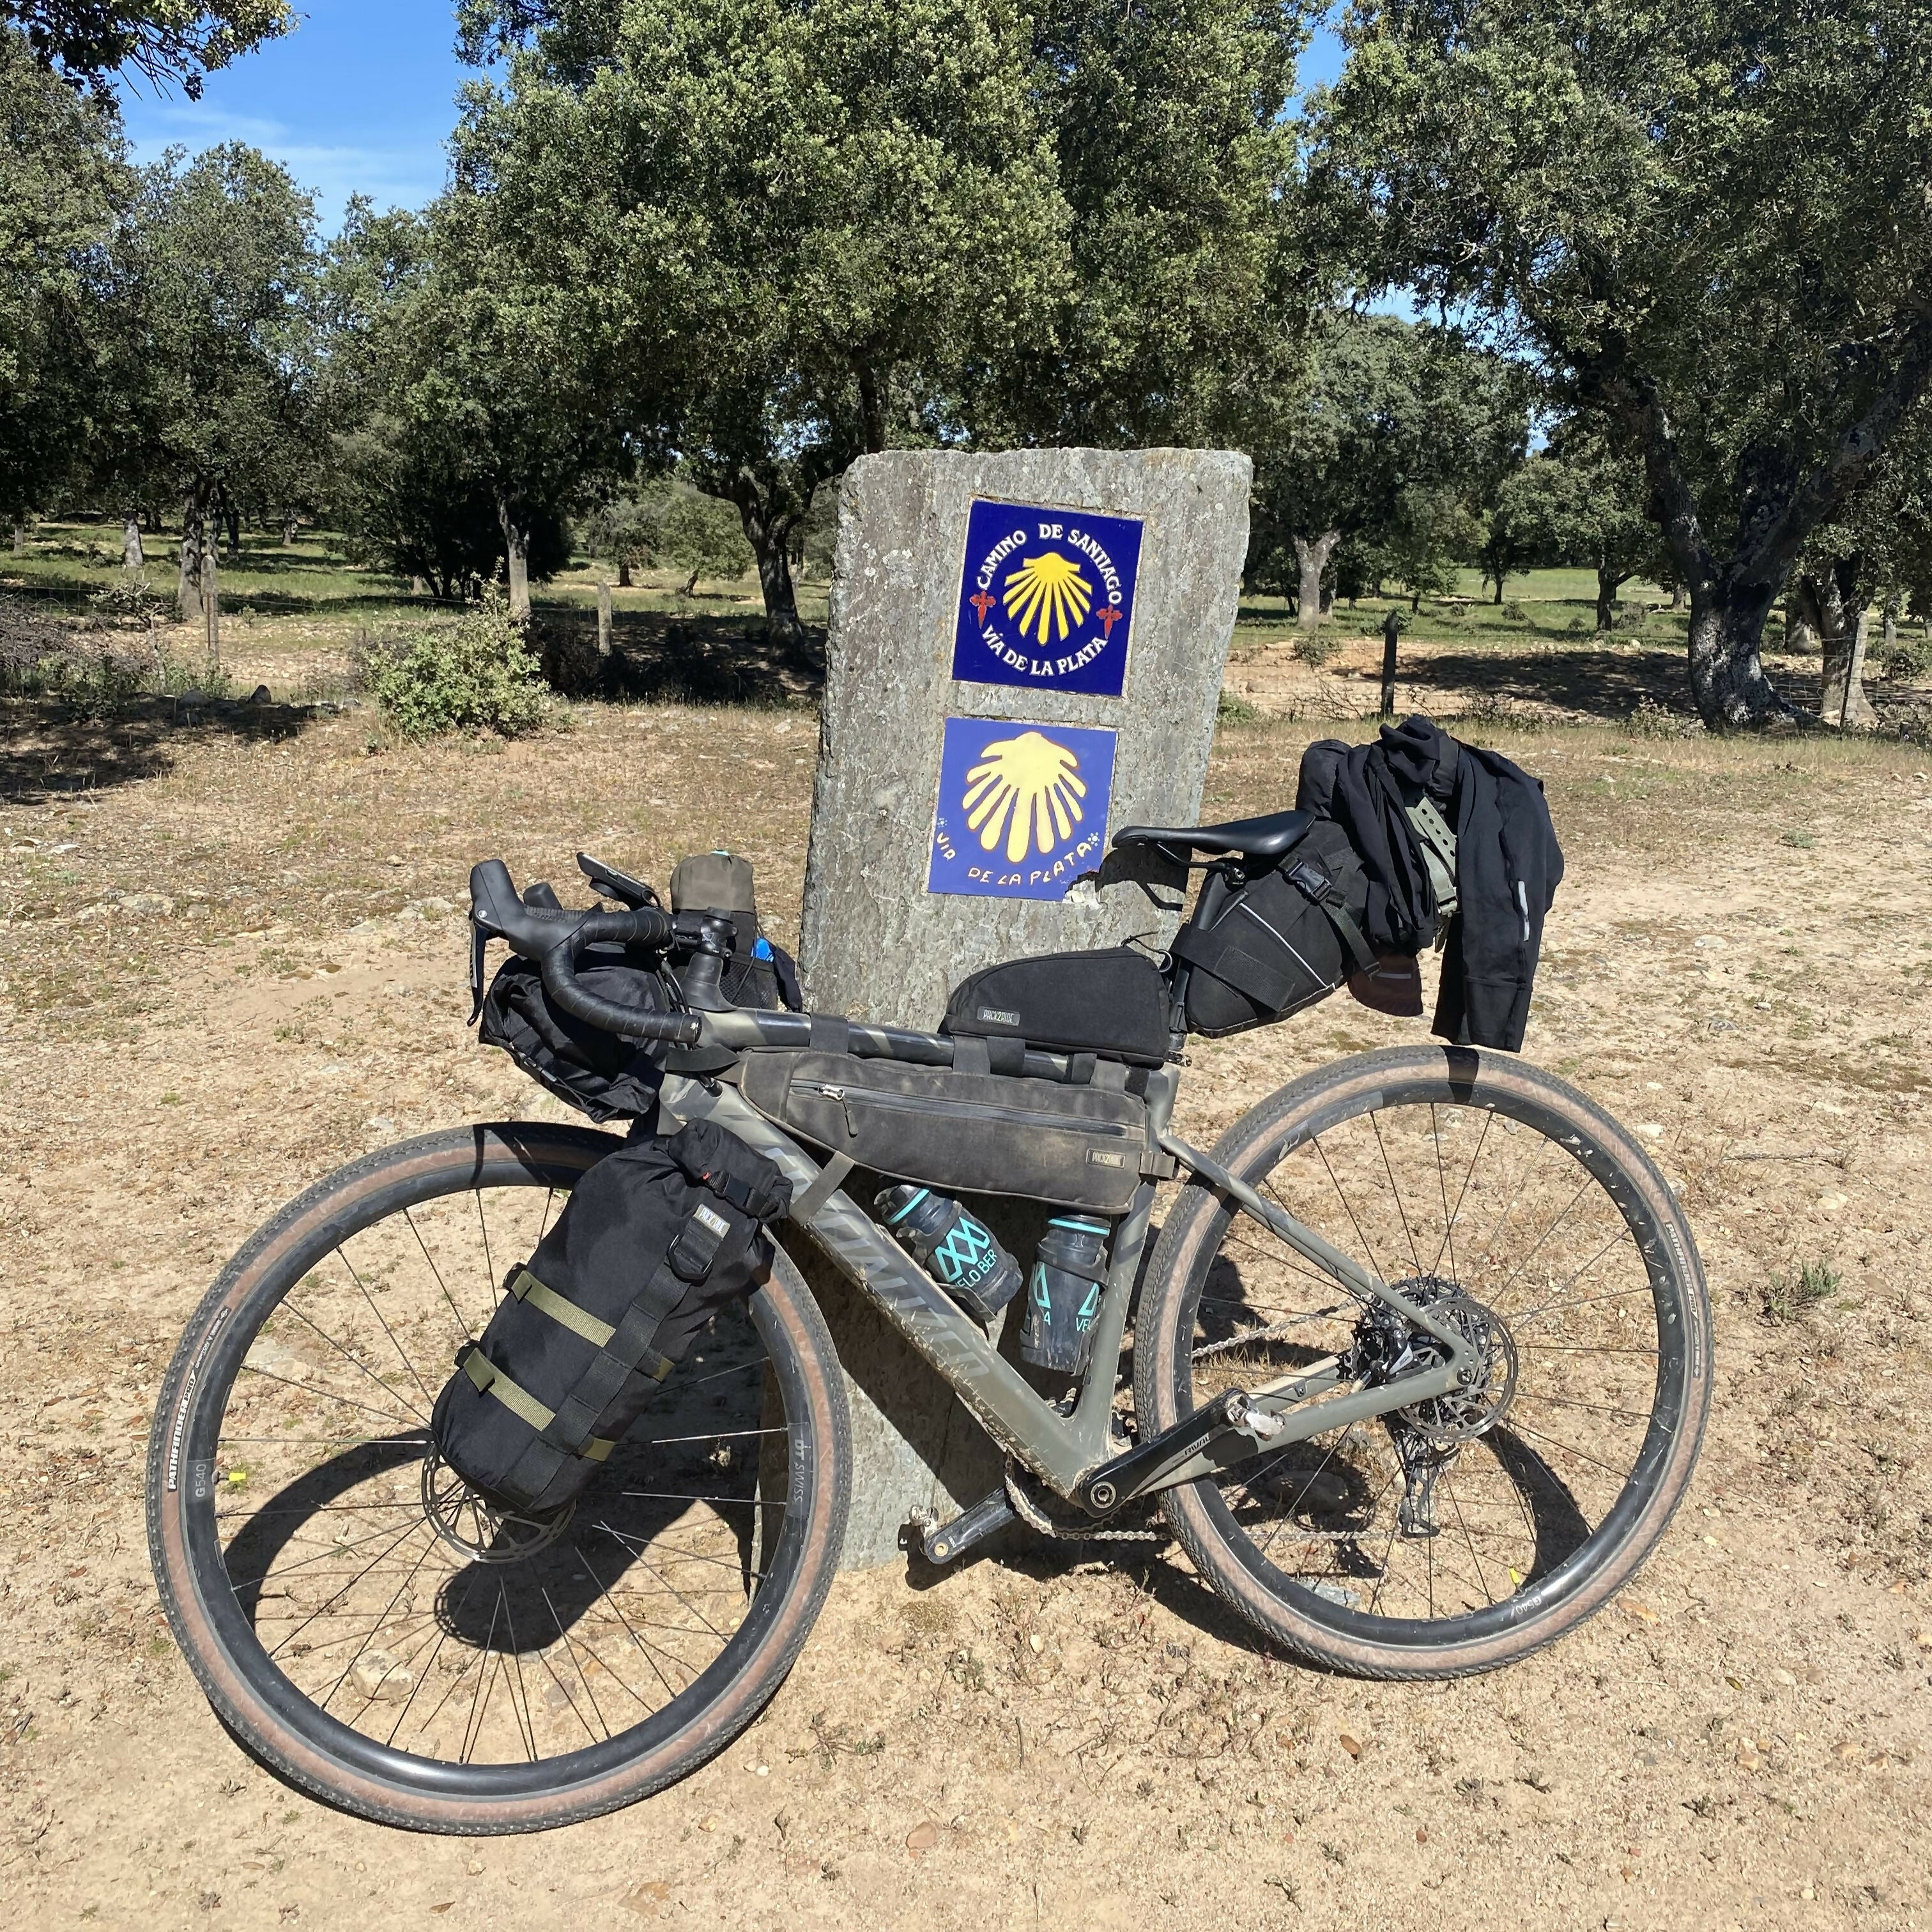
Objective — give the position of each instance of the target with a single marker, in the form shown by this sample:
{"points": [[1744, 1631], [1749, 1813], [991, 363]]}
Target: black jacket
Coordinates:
{"points": [[1508, 866]]}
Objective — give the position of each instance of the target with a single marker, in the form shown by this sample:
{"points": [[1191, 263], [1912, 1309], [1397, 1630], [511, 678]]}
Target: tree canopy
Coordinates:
{"points": [[165, 41], [1708, 222]]}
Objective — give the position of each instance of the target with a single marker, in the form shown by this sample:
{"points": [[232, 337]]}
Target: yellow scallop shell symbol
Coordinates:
{"points": [[1048, 589], [1027, 788]]}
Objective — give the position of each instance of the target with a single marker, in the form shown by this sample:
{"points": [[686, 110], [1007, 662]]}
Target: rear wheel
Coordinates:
{"points": [[1467, 1532], [375, 1637]]}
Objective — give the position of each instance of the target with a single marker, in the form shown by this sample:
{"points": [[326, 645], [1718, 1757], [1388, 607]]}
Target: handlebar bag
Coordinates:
{"points": [[1280, 942], [982, 1133], [655, 1238], [588, 1068], [1112, 1001]]}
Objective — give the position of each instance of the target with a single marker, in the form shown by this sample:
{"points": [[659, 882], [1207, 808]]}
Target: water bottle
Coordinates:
{"points": [[958, 1252], [1070, 1269]]}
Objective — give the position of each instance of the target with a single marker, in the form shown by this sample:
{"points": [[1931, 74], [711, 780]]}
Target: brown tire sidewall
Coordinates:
{"points": [[1184, 1250], [236, 1700]]}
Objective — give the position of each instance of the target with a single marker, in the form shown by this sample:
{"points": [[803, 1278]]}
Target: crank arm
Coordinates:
{"points": [[1311, 1246]]}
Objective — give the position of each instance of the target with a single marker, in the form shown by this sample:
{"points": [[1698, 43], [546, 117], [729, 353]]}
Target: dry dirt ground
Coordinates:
{"points": [[229, 962]]}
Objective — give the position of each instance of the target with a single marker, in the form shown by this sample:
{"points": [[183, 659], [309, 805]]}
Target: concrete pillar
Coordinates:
{"points": [[1024, 653]]}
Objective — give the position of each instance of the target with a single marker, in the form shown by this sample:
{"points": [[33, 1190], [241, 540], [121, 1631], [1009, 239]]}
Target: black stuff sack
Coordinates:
{"points": [[1281, 941], [655, 1239], [1111, 1002], [587, 1068]]}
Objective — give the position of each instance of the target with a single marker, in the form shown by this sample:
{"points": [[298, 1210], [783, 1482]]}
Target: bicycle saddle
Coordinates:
{"points": [[1266, 837]]}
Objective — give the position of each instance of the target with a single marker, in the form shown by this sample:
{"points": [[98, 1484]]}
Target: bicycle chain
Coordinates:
{"points": [[1030, 1513]]}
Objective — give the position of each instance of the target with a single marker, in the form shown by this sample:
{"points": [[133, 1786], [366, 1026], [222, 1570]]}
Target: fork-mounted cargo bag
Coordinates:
{"points": [[654, 1239], [1112, 1001], [980, 1133], [1282, 941]]}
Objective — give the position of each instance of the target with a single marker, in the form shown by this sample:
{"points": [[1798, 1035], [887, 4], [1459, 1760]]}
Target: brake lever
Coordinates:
{"points": [[479, 946]]}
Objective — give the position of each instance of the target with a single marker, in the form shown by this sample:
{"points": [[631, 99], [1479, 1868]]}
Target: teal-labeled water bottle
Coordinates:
{"points": [[1070, 1269], [958, 1252]]}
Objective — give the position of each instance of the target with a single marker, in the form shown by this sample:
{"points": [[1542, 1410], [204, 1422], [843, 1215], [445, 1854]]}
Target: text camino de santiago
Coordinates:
{"points": [[1107, 617]]}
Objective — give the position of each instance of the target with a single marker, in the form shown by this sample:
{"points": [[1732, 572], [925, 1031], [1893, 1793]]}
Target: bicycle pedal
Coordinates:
{"points": [[946, 1542]]}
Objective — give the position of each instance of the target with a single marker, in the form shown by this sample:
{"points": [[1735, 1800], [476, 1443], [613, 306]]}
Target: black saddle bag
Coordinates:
{"points": [[584, 1066], [654, 1239], [1282, 941], [981, 1133], [1111, 1002]]}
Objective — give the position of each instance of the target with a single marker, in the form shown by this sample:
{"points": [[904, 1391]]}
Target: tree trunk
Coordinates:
{"points": [[1727, 678], [517, 556], [211, 606], [131, 558], [1391, 630], [1609, 582], [1677, 597], [1841, 695], [19, 539], [291, 529], [603, 616], [232, 517], [872, 402], [187, 594], [1312, 555], [1803, 630], [1499, 586], [623, 573]]}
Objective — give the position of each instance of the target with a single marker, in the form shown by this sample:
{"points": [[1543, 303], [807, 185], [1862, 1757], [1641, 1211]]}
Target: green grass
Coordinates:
{"points": [[1541, 606], [309, 593]]}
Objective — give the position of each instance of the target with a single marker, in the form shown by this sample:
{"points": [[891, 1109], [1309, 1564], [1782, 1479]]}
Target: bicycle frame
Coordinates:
{"points": [[1078, 1455]]}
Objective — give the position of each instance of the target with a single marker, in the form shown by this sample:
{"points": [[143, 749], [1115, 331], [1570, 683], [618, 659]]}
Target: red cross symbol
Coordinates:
{"points": [[982, 603], [1107, 617]]}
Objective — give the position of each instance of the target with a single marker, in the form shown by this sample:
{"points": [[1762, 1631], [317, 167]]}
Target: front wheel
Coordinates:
{"points": [[398, 1651], [1465, 1533]]}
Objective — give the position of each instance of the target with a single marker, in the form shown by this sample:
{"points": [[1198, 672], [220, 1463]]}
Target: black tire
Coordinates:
{"points": [[1296, 1543], [762, 1529]]}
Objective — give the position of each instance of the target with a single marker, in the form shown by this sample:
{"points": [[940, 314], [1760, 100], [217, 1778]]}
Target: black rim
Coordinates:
{"points": [[1340, 1539], [621, 1669]]}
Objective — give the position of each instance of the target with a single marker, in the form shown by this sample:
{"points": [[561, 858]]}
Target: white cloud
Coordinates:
{"points": [[397, 175]]}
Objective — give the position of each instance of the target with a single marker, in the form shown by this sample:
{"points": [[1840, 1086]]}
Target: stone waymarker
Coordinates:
{"points": [[1025, 653]]}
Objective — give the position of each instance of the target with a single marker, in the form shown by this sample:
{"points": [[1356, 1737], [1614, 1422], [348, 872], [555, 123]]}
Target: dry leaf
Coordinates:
{"points": [[1845, 1750], [1353, 1746], [645, 1897], [444, 1907], [923, 1837], [1643, 1613], [710, 1824]]}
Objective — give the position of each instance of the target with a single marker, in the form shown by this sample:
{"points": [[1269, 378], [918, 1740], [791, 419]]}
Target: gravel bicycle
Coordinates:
{"points": [[1417, 1372]]}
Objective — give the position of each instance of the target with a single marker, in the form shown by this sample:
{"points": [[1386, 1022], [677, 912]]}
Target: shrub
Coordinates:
{"points": [[128, 598], [1315, 648], [1909, 659], [1650, 719], [1515, 612], [476, 672], [1786, 1296], [1230, 709]]}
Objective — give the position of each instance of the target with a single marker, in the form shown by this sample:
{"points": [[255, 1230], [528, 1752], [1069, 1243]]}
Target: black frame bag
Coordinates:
{"points": [[1281, 941], [655, 1239]]}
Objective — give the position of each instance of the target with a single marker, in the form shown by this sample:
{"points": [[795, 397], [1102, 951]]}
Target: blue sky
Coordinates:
{"points": [[358, 99]]}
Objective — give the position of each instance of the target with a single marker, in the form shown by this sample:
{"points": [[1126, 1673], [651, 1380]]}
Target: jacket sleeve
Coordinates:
{"points": [[1507, 867]]}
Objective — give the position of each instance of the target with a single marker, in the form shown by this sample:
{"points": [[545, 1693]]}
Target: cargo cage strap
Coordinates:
{"points": [[491, 1380]]}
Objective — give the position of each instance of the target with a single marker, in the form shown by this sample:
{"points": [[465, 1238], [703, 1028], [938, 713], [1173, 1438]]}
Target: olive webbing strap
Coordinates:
{"points": [[490, 1380]]}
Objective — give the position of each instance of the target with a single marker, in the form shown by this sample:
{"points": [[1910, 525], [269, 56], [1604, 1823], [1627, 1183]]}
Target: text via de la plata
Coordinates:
{"points": [[1046, 598], [1022, 808]]}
